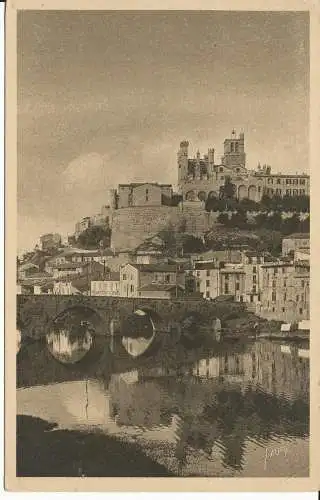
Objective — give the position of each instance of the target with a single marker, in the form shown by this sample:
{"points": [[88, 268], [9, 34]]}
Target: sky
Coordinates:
{"points": [[106, 97]]}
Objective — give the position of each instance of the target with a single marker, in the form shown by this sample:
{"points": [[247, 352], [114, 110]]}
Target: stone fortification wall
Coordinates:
{"points": [[196, 220], [131, 226]]}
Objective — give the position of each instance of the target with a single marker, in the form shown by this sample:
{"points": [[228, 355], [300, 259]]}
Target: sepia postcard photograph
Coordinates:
{"points": [[158, 247]]}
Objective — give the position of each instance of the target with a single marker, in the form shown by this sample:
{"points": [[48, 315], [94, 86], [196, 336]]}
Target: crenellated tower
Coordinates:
{"points": [[234, 155], [183, 161]]}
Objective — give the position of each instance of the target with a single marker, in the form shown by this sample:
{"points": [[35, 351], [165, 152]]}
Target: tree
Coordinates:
{"points": [[247, 204], [214, 204], [91, 237], [238, 219], [223, 219], [261, 219], [192, 244], [228, 190], [274, 221], [291, 225], [305, 225]]}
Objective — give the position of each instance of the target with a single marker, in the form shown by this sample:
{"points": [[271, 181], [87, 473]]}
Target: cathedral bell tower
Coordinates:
{"points": [[234, 155]]}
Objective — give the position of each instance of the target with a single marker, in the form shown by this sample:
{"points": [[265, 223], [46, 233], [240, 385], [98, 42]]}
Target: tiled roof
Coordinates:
{"points": [[156, 268], [205, 265], [159, 287], [69, 265], [113, 276], [232, 270], [298, 236]]}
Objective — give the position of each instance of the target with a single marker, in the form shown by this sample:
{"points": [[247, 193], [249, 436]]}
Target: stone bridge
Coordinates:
{"points": [[36, 312]]}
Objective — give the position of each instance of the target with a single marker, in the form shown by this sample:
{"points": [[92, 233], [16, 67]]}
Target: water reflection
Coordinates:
{"points": [[212, 416], [139, 331], [68, 348], [71, 334], [18, 340]]}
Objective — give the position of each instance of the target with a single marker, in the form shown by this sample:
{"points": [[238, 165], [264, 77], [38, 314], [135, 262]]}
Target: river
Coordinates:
{"points": [[240, 411]]}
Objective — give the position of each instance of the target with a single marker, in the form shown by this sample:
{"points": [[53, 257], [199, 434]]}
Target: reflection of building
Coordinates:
{"points": [[278, 369], [200, 178]]}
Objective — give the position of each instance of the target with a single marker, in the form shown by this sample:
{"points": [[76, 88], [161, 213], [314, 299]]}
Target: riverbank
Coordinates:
{"points": [[45, 451]]}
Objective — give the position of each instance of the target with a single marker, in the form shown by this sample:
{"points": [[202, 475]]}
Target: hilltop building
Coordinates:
{"points": [[200, 178], [51, 241]]}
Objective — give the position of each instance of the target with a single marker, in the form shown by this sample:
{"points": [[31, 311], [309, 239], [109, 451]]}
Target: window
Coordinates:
{"points": [[288, 191], [232, 147], [254, 278], [300, 310], [236, 147], [208, 295], [226, 277], [274, 284], [254, 269], [274, 296], [275, 271], [237, 169], [302, 283], [283, 309], [254, 289], [226, 288], [147, 195], [221, 169], [208, 272], [198, 274], [297, 298], [259, 189], [284, 297], [273, 309], [167, 278], [237, 286], [131, 288], [302, 182], [124, 277], [207, 283], [278, 181]]}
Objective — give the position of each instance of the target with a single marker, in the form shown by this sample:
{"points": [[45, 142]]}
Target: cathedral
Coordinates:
{"points": [[200, 178]]}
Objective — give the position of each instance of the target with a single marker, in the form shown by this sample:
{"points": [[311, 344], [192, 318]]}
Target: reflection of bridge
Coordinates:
{"points": [[35, 312], [187, 405]]}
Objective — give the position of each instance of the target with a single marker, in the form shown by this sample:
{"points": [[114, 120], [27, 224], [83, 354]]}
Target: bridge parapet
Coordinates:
{"points": [[35, 312]]}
